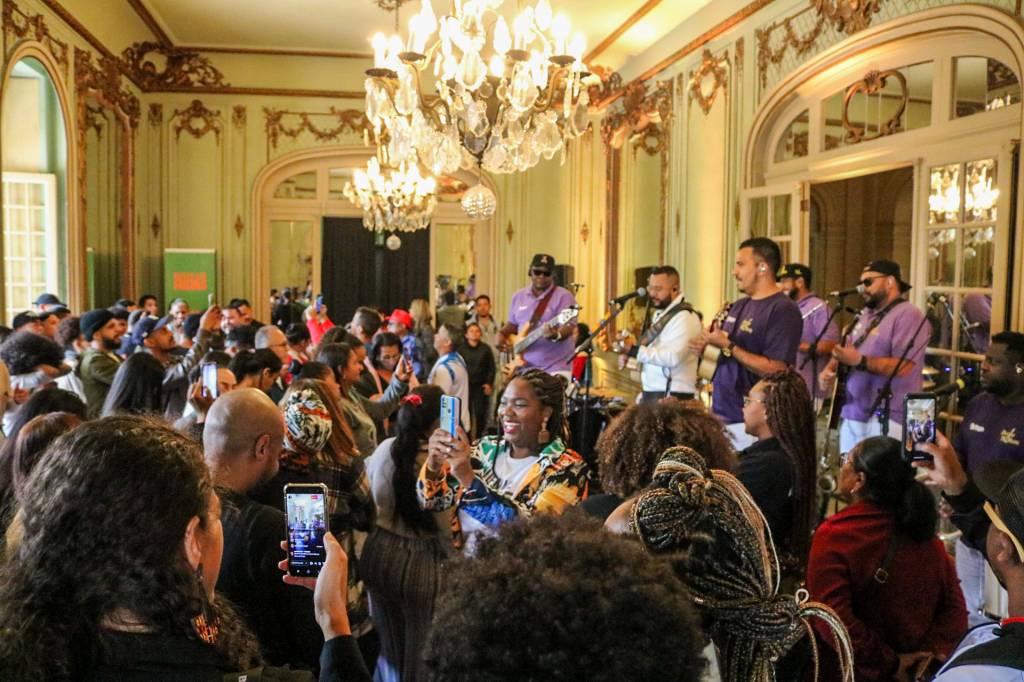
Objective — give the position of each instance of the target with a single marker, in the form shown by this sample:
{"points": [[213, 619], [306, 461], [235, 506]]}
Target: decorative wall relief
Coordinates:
{"points": [[239, 116], [105, 82], [707, 79], [239, 226], [197, 121], [871, 84], [20, 25], [351, 121], [800, 44], [738, 58], [509, 232], [637, 111], [159, 67], [95, 120], [156, 114], [848, 16], [610, 86], [154, 226]]}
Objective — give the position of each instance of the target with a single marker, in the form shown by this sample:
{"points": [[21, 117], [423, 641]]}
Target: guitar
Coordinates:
{"points": [[528, 337], [707, 363]]}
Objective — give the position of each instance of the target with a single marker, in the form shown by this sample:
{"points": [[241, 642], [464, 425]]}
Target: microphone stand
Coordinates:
{"points": [[884, 397], [812, 352]]}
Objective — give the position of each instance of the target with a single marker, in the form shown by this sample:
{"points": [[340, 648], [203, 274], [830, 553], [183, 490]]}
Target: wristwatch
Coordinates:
{"points": [[727, 351]]}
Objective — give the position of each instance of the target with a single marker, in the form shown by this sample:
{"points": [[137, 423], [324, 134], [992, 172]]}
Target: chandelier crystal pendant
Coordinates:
{"points": [[393, 199], [506, 96]]}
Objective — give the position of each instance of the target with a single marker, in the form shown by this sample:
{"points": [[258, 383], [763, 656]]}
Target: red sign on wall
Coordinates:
{"points": [[190, 281]]}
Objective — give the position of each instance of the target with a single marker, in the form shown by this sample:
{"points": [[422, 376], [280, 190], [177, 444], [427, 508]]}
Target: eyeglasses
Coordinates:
{"points": [[844, 458], [540, 273], [750, 399], [866, 282]]}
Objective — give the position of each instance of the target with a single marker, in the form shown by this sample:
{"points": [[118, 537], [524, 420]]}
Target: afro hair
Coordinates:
{"points": [[24, 351]]}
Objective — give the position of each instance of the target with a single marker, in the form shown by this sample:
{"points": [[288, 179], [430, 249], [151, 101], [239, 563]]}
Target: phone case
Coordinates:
{"points": [[450, 409]]}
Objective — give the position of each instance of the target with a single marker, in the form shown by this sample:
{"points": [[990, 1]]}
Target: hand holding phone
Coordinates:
{"points": [[451, 411], [919, 424], [211, 389], [319, 303], [306, 509]]}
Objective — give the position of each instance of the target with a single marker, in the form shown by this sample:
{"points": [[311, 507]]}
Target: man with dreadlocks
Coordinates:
{"points": [[779, 469], [731, 570]]}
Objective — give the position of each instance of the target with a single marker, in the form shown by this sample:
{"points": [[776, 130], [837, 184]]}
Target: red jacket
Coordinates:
{"points": [[919, 608]]}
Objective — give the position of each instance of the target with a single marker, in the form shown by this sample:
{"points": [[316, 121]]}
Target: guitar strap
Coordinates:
{"points": [[877, 321], [652, 333], [541, 307]]}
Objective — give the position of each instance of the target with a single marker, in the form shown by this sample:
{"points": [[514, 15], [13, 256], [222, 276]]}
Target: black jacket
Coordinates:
{"points": [[767, 472]]}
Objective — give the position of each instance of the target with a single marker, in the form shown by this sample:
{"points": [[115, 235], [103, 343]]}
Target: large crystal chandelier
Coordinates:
{"points": [[506, 96], [392, 198]]}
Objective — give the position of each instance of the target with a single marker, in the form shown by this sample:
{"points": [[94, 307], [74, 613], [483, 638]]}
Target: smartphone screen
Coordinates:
{"points": [[306, 506], [918, 423], [319, 302], [210, 387], [451, 410]]}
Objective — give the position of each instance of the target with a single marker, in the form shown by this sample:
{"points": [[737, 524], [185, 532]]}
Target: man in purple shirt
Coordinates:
{"points": [[887, 326], [760, 335], [795, 280], [553, 351]]}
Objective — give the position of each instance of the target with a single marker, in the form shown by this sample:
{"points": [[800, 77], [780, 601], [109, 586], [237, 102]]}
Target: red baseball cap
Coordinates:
{"points": [[402, 317]]}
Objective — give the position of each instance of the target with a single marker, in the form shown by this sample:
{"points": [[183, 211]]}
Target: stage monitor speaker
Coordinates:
{"points": [[565, 274]]}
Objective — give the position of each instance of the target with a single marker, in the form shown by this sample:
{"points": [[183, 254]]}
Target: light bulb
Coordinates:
{"points": [[577, 46], [502, 37], [560, 30], [543, 14], [497, 66], [380, 46]]}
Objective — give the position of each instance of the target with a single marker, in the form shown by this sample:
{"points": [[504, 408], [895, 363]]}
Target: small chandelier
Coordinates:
{"points": [[506, 96], [393, 199]]}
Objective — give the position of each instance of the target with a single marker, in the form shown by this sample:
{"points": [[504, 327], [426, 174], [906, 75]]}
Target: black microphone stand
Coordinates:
{"points": [[884, 397], [812, 352]]}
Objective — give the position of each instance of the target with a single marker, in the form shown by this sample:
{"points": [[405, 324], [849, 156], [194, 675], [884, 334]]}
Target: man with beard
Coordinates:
{"points": [[669, 365], [888, 327], [760, 335], [99, 362], [795, 280]]}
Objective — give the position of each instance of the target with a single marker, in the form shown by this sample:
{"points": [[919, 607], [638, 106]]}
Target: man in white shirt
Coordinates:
{"points": [[449, 372], [669, 365]]}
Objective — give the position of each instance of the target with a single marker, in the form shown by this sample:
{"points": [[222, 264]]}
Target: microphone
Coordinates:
{"points": [[936, 297], [859, 289], [949, 389], [625, 297]]}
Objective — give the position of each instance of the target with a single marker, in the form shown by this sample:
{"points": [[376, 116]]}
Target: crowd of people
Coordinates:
{"points": [[145, 525]]}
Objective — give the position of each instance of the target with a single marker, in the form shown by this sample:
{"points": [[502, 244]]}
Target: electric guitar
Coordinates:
{"points": [[707, 363], [528, 337]]}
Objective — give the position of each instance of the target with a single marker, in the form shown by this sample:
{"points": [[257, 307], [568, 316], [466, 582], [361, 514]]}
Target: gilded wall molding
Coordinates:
{"points": [[609, 88], [180, 68], [239, 116], [872, 84], [766, 55], [156, 114], [738, 58], [352, 121], [21, 25], [104, 80], [638, 110], [186, 121], [848, 16], [239, 225], [95, 119], [154, 226], [713, 68], [509, 232]]}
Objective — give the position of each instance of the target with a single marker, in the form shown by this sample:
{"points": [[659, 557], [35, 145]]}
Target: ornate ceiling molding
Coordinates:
{"points": [[638, 111], [157, 67], [713, 68], [185, 121], [352, 121], [105, 82], [848, 16], [21, 25], [611, 86]]}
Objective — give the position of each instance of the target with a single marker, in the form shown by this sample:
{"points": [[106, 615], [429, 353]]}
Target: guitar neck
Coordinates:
{"points": [[529, 339]]}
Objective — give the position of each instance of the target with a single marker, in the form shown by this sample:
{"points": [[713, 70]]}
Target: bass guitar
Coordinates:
{"points": [[707, 363], [528, 337]]}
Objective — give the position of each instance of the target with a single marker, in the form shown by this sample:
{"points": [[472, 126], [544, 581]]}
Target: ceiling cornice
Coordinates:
{"points": [[278, 52], [617, 33], [151, 23]]}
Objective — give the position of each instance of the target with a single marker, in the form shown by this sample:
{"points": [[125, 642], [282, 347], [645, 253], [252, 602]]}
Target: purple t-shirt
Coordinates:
{"points": [[769, 327], [990, 432], [815, 314], [888, 340], [977, 309], [545, 354]]}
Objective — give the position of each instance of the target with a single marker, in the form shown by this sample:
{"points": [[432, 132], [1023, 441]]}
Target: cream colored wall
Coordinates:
{"points": [[22, 130]]}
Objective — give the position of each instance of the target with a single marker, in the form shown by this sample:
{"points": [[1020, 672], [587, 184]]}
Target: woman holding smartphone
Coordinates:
{"points": [[525, 470]]}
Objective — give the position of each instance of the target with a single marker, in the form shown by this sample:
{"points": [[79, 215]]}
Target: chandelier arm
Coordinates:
{"points": [[543, 102]]}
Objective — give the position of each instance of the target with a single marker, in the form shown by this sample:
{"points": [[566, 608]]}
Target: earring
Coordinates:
{"points": [[205, 626], [1020, 369], [544, 436]]}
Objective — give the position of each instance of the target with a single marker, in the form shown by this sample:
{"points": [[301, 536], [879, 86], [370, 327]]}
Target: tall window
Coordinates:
{"points": [[30, 237]]}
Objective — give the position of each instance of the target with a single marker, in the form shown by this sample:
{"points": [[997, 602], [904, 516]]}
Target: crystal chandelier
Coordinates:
{"points": [[506, 96], [392, 198]]}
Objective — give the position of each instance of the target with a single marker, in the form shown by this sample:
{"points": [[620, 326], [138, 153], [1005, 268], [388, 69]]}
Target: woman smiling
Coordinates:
{"points": [[528, 469]]}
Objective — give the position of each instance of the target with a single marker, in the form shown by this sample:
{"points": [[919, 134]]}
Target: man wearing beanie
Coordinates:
{"points": [[99, 362]]}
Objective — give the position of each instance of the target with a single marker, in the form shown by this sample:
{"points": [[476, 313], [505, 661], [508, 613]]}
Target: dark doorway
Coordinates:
{"points": [[358, 269]]}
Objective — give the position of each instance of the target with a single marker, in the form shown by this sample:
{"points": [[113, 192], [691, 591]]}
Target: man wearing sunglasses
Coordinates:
{"points": [[887, 326], [536, 304]]}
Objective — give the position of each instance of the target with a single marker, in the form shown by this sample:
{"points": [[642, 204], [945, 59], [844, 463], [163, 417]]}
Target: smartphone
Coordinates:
{"points": [[319, 303], [210, 299], [209, 374], [451, 411], [306, 507], [919, 417]]}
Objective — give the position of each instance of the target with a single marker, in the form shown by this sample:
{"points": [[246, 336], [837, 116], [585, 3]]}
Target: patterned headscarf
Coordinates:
{"points": [[307, 422]]}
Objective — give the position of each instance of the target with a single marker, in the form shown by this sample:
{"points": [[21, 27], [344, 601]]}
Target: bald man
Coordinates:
{"points": [[242, 443]]}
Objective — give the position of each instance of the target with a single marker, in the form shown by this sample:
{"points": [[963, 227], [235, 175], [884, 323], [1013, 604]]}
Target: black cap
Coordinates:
{"points": [[46, 299], [1002, 482], [21, 319], [794, 270], [543, 260], [93, 320], [146, 326], [191, 325], [888, 268]]}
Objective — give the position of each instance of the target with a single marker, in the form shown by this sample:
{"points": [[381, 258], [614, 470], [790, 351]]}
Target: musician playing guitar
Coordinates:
{"points": [[535, 305], [669, 364], [759, 336], [885, 327]]}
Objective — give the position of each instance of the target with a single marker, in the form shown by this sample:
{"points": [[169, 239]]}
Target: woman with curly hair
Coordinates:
{"points": [[33, 362], [526, 470], [631, 445], [113, 578]]}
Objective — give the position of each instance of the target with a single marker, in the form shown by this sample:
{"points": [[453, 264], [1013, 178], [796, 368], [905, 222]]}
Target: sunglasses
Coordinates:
{"points": [[540, 273], [866, 282]]}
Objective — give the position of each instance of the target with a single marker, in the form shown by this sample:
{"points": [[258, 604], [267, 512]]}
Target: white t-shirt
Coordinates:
{"points": [[512, 471]]}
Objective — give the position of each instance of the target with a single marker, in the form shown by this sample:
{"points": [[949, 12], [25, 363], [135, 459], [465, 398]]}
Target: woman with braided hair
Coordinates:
{"points": [[730, 570], [525, 470], [780, 469]]}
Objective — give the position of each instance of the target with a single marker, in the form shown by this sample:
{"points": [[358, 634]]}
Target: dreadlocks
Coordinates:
{"points": [[791, 420], [550, 391], [732, 572]]}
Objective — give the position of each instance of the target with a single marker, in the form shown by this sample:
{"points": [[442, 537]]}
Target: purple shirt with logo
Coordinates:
{"points": [[990, 432], [769, 327], [888, 340], [545, 354], [815, 314]]}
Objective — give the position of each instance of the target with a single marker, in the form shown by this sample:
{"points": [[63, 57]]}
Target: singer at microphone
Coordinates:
{"points": [[621, 300], [949, 389], [859, 289]]}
